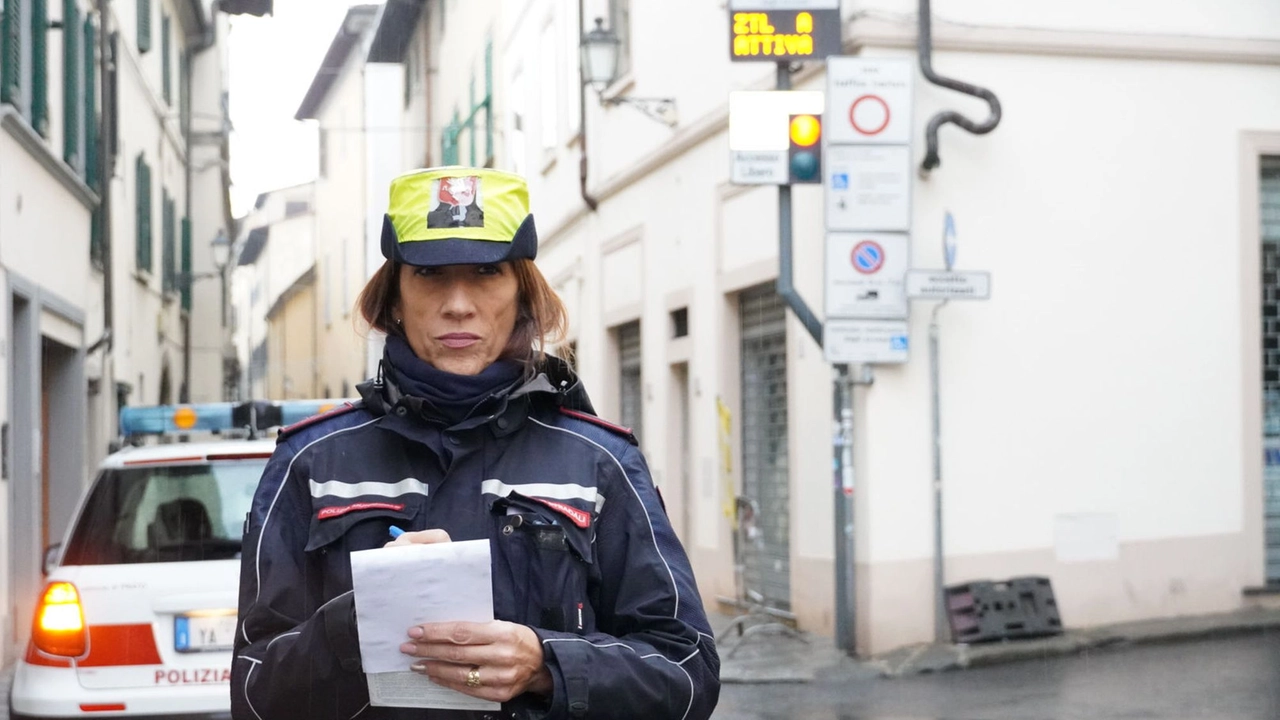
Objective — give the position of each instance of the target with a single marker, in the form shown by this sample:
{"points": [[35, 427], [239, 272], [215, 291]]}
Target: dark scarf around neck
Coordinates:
{"points": [[456, 397]]}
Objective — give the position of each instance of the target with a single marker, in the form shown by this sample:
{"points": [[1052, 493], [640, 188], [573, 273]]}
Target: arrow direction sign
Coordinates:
{"points": [[948, 285]]}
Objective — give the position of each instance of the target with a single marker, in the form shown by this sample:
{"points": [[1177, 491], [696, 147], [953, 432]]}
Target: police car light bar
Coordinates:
{"points": [[165, 419], [253, 416]]}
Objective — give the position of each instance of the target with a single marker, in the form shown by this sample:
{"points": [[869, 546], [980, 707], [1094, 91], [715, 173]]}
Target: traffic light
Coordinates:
{"points": [[804, 159]]}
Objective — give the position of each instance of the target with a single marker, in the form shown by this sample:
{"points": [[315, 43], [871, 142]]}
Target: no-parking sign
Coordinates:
{"points": [[865, 275]]}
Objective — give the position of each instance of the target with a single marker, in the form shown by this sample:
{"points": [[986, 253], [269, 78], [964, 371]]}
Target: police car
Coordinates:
{"points": [[138, 613]]}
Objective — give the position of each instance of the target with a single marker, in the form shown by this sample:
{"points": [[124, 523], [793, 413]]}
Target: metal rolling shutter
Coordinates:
{"points": [[629, 382], [1270, 256], [767, 555]]}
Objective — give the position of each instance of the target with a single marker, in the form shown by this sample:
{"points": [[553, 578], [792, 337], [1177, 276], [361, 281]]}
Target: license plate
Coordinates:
{"points": [[199, 633]]}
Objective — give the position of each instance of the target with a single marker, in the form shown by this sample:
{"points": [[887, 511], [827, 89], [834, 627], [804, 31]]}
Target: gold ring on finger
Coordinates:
{"points": [[473, 677]]}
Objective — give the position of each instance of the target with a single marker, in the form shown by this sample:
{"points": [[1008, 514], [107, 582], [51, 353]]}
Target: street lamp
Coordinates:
{"points": [[221, 247], [599, 61]]}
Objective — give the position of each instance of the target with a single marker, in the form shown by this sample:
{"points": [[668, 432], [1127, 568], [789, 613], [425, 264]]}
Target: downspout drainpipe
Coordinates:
{"points": [[195, 44], [587, 197], [106, 170], [925, 39]]}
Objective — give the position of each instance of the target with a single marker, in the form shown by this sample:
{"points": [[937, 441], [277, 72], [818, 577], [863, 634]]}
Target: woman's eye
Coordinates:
{"points": [[426, 271], [489, 270]]}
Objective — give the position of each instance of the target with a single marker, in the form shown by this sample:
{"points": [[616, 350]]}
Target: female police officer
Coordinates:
{"points": [[471, 432]]}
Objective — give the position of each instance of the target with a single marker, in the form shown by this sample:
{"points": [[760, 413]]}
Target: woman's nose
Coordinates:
{"points": [[458, 300]]}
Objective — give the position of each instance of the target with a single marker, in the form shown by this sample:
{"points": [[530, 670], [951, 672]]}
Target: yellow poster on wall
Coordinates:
{"points": [[725, 436]]}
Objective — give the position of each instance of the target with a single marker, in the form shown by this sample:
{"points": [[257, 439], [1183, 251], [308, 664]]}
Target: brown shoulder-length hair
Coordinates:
{"points": [[541, 319]]}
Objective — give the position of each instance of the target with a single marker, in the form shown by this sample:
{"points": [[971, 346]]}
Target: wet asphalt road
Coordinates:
{"points": [[1222, 679], [1226, 679]]}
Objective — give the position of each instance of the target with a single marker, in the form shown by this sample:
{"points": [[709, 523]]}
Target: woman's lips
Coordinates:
{"points": [[458, 340]]}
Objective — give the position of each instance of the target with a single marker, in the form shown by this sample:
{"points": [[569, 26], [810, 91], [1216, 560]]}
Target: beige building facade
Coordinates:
{"points": [[99, 238], [1104, 425]]}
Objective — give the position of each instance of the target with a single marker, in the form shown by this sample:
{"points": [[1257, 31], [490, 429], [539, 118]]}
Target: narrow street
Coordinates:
{"points": [[1229, 679]]}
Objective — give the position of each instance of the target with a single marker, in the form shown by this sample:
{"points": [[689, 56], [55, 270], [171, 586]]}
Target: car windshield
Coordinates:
{"points": [[165, 513]]}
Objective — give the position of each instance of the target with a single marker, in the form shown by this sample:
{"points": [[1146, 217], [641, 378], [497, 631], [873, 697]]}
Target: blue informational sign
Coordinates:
{"points": [[898, 342], [840, 181], [949, 240]]}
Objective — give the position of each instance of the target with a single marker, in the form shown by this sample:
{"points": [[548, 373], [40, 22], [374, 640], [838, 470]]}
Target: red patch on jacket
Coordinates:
{"points": [[340, 510], [581, 518]]}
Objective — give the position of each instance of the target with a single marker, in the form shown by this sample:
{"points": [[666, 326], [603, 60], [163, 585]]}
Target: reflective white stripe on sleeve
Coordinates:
{"points": [[336, 488], [556, 491]]}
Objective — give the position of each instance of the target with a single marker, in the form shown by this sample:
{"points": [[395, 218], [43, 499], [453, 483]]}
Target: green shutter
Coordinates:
{"points": [[143, 222], [166, 50], [40, 66], [184, 92], [186, 264], [92, 130], [168, 245], [144, 25], [11, 75], [71, 68]]}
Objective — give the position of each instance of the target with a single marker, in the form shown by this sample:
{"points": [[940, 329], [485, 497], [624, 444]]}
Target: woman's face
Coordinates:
{"points": [[458, 318]]}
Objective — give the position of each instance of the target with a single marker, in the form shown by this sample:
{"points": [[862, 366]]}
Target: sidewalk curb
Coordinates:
{"points": [[926, 658]]}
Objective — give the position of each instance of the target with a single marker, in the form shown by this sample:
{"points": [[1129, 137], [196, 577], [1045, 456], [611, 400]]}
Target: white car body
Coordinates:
{"points": [[132, 609]]}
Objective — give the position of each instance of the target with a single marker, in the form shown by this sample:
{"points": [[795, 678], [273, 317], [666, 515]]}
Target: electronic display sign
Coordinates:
{"points": [[756, 35]]}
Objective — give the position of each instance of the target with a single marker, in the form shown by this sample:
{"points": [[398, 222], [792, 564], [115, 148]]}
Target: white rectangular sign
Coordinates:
{"points": [[784, 4], [758, 167], [944, 285], [865, 341], [759, 136], [865, 275], [868, 187], [869, 100]]}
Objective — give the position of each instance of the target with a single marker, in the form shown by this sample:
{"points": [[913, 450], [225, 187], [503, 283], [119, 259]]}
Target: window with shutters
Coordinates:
{"points": [[168, 244], [144, 25], [89, 119], [72, 66], [166, 53], [142, 182], [186, 264], [184, 91], [12, 84], [630, 384], [39, 112]]}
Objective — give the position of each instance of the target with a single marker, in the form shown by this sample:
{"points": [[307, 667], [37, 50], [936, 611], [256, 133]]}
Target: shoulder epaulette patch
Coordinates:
{"points": [[625, 432], [308, 422]]}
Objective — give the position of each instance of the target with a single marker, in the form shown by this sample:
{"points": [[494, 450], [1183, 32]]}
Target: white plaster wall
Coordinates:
{"points": [[341, 219], [384, 161], [1104, 375]]}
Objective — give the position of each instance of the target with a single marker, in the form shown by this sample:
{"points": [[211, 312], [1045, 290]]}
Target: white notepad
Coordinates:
{"points": [[406, 585]]}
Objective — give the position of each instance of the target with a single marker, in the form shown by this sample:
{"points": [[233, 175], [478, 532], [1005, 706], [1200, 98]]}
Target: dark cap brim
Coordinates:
{"points": [[459, 251]]}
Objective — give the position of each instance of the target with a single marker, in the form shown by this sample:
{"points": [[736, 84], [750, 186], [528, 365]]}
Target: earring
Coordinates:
{"points": [[399, 321]]}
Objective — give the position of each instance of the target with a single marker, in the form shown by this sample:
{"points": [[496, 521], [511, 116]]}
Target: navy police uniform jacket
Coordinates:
{"points": [[582, 553]]}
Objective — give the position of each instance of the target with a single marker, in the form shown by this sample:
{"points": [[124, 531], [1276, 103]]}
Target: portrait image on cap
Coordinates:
{"points": [[457, 203]]}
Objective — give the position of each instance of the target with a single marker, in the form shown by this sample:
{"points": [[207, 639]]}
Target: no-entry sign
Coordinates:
{"points": [[869, 100]]}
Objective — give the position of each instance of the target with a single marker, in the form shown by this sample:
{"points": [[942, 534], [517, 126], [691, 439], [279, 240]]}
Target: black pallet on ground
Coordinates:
{"points": [[988, 611]]}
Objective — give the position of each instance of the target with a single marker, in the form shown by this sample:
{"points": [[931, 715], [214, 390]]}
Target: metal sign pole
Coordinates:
{"points": [[842, 454], [941, 625]]}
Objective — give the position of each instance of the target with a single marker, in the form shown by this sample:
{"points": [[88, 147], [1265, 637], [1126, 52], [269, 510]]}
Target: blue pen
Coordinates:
{"points": [[395, 532]]}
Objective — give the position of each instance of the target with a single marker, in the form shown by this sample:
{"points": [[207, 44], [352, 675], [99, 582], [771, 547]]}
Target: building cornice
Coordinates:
{"points": [[20, 130], [899, 31]]}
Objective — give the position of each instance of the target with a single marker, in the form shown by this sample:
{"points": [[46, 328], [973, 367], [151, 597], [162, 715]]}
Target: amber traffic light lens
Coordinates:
{"points": [[805, 130]]}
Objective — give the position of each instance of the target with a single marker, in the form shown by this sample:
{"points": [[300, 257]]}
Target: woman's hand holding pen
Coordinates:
{"points": [[494, 661], [424, 537]]}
